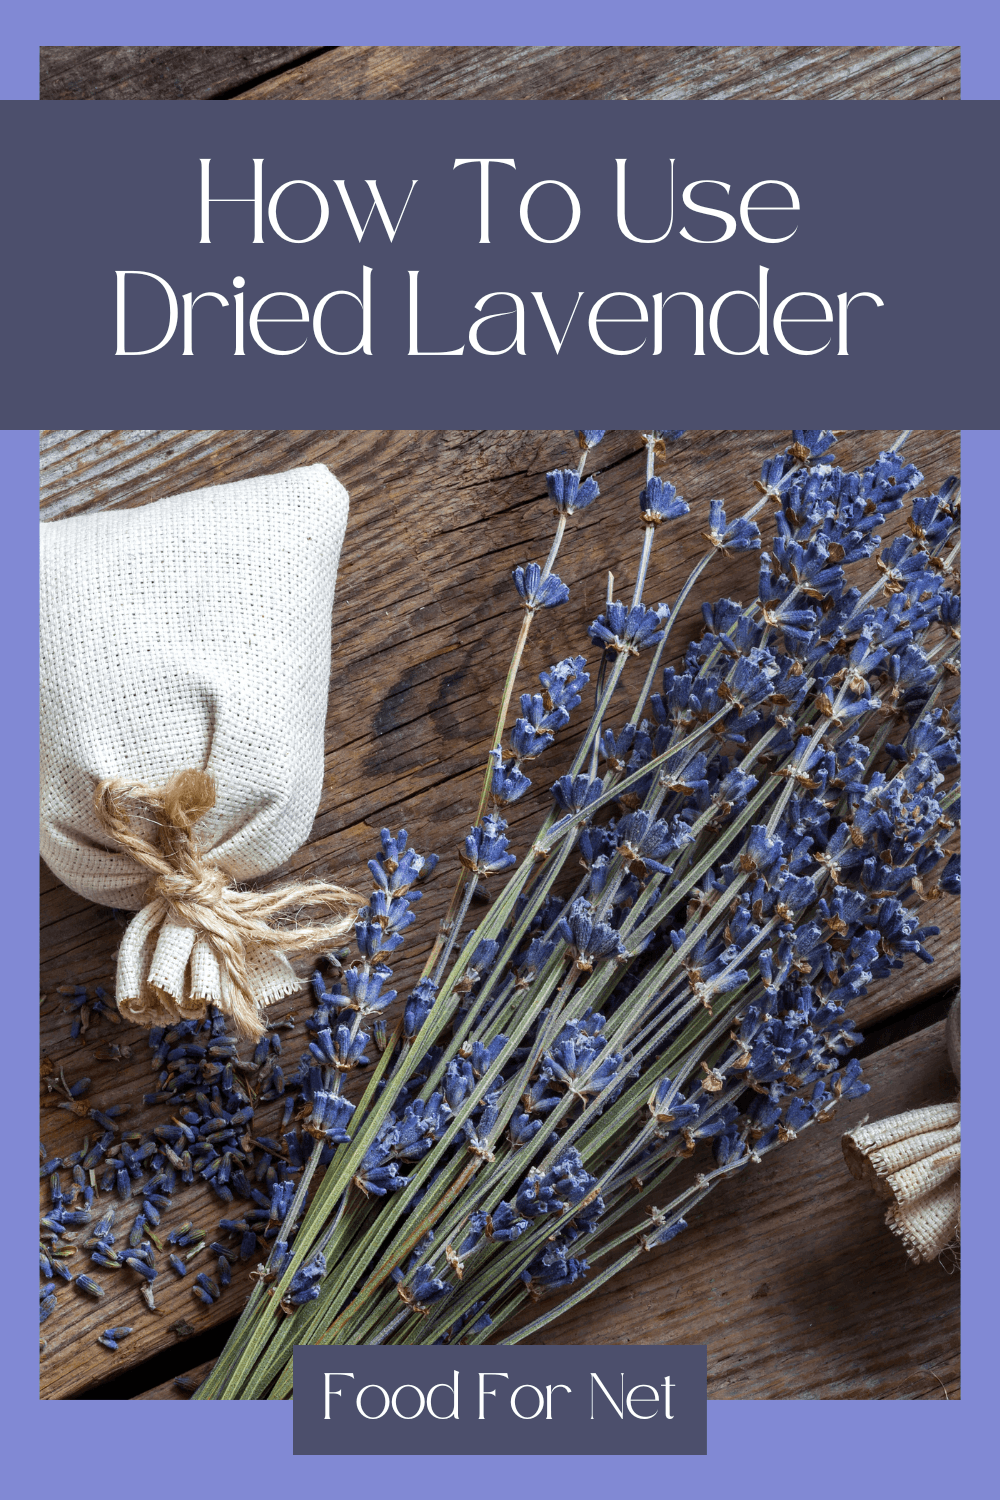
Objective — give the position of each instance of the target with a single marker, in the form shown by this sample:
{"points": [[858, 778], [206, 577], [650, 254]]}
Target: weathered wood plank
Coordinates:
{"points": [[790, 1276], [158, 72], [168, 1391], [424, 620], [621, 73]]}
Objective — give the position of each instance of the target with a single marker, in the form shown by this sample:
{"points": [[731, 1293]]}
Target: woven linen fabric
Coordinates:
{"points": [[913, 1162], [190, 632]]}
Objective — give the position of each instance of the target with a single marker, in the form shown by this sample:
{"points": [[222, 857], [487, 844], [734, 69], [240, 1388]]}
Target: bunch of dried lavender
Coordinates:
{"points": [[752, 852]]}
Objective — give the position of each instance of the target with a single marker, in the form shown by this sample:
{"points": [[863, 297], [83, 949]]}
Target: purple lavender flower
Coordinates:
{"points": [[508, 783], [660, 501], [330, 1115], [526, 742], [539, 593], [486, 848], [732, 536], [569, 492], [576, 793], [418, 1007], [591, 938], [630, 628], [563, 684], [813, 441]]}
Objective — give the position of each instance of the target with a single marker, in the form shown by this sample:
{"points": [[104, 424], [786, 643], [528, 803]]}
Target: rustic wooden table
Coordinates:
{"points": [[788, 1272], [499, 73]]}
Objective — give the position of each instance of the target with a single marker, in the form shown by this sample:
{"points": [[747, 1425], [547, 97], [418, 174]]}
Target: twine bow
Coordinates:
{"points": [[199, 940]]}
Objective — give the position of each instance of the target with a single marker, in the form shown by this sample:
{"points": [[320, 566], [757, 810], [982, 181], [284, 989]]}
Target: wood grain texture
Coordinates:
{"points": [[500, 72], [621, 73], [168, 1391], [158, 72], [423, 624]]}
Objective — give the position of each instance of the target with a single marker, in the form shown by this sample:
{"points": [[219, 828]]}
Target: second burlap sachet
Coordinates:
{"points": [[913, 1161], [185, 664]]}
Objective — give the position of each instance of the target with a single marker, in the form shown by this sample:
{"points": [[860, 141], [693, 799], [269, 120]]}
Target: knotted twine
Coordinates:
{"points": [[199, 939]]}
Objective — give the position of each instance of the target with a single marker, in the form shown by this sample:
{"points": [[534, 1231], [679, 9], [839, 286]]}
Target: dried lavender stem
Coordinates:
{"points": [[663, 1019]]}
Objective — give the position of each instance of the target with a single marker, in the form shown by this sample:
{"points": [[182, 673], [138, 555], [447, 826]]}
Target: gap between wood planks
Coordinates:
{"points": [[622, 73], [123, 73]]}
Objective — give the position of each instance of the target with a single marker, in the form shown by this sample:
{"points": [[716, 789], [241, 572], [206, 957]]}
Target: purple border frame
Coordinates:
{"points": [[754, 1446], [972, 23]]}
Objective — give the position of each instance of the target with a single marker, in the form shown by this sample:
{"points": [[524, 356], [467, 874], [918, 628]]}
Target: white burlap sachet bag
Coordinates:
{"points": [[185, 664], [913, 1162]]}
